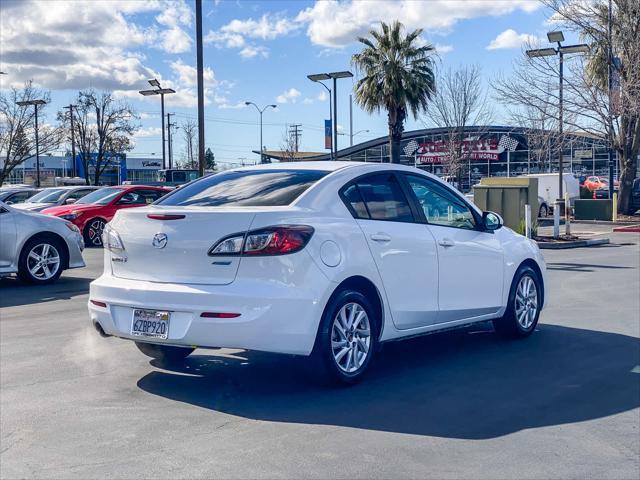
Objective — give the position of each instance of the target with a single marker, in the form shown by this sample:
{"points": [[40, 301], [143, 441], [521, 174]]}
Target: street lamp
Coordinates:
{"points": [[35, 104], [335, 76], [558, 37], [162, 92], [318, 79], [261, 111]]}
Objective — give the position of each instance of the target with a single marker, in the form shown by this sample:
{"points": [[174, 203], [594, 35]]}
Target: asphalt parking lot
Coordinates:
{"points": [[564, 403]]}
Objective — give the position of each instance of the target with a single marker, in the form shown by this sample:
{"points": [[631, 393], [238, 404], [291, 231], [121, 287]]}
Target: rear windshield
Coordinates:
{"points": [[249, 188], [47, 196], [100, 197]]}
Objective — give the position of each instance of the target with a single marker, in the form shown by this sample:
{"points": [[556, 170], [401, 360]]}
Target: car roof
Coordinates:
{"points": [[322, 165]]}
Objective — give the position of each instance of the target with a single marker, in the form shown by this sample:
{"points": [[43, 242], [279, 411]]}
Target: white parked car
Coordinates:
{"points": [[55, 196], [327, 259], [37, 247]]}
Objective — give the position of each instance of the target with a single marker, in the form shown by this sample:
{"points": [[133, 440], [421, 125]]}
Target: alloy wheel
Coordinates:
{"points": [[351, 337], [94, 232], [526, 304], [43, 261]]}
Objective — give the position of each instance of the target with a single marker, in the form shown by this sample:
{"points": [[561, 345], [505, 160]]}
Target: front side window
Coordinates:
{"points": [[440, 206], [384, 198], [248, 188]]}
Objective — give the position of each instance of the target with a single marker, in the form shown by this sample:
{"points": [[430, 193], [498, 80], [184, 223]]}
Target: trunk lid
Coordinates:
{"points": [[184, 256]]}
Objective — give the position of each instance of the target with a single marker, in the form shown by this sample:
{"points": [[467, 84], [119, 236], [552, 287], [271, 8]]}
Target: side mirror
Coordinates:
{"points": [[69, 201], [492, 221]]}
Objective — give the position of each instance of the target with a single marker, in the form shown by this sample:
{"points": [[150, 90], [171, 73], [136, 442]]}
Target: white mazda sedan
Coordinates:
{"points": [[327, 259]]}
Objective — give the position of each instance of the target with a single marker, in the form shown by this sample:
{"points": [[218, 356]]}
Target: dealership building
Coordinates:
{"points": [[488, 151], [121, 168]]}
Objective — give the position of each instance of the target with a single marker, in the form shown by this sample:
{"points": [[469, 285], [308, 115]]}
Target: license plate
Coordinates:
{"points": [[150, 323]]}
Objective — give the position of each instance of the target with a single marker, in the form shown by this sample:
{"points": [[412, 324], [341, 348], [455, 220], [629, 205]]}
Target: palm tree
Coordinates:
{"points": [[398, 76]]}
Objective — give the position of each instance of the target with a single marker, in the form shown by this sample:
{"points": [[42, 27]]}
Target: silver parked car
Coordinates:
{"points": [[37, 247], [55, 196], [11, 195]]}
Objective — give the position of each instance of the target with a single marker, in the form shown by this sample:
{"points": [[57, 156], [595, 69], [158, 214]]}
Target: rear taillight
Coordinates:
{"points": [[279, 240]]}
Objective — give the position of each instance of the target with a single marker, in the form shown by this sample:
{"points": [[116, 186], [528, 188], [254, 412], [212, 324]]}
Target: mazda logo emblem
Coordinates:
{"points": [[160, 240]]}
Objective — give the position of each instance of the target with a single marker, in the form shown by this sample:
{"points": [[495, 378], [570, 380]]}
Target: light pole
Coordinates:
{"points": [[357, 133], [335, 76], [317, 78], [162, 92], [558, 37], [35, 103], [261, 111]]}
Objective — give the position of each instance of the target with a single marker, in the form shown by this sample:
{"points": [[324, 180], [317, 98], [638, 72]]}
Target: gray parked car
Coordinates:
{"points": [[55, 196], [37, 247], [12, 195]]}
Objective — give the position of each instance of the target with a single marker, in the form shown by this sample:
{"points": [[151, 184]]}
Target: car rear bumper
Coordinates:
{"points": [[274, 317]]}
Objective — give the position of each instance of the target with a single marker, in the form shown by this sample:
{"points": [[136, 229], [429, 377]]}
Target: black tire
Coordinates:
{"points": [[544, 211], [326, 367], [92, 232], [164, 353], [24, 262], [508, 325]]}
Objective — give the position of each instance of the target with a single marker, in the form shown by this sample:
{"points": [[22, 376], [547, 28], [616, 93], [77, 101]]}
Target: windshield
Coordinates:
{"points": [[249, 188], [47, 196], [100, 197]]}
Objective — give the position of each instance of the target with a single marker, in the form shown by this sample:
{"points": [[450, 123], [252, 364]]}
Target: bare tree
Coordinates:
{"points": [[288, 146], [460, 101], [17, 136], [585, 101], [190, 137], [103, 126]]}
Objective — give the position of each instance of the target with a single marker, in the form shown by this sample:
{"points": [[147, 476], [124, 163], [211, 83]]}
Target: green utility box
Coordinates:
{"points": [[593, 209], [507, 197]]}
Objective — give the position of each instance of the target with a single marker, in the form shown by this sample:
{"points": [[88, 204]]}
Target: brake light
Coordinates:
{"points": [[219, 315], [277, 240]]}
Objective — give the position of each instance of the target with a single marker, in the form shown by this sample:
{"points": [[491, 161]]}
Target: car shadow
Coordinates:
{"points": [[469, 385], [583, 267], [14, 293]]}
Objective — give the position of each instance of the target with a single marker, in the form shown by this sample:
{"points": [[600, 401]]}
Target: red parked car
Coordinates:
{"points": [[92, 212]]}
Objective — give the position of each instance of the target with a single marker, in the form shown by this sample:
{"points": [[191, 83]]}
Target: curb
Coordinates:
{"points": [[628, 228], [574, 244]]}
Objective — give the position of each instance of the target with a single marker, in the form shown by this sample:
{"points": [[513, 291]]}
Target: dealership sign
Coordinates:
{"points": [[486, 149]]}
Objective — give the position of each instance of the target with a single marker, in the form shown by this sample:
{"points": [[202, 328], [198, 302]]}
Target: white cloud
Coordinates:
{"points": [[148, 132], [442, 49], [81, 44], [307, 101], [322, 96], [288, 96], [511, 39], [251, 51], [188, 75], [241, 34], [337, 24]]}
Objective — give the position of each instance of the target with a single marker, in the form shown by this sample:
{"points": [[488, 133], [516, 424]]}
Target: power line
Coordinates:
{"points": [[295, 132]]}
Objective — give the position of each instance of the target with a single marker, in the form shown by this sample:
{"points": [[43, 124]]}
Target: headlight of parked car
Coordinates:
{"points": [[71, 216], [72, 227]]}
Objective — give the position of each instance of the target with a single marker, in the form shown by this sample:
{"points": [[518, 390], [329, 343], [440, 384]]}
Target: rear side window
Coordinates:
{"points": [[251, 188], [384, 198], [353, 199]]}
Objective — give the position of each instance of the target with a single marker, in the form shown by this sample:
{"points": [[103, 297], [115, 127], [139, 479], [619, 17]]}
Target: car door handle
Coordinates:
{"points": [[446, 242], [380, 237]]}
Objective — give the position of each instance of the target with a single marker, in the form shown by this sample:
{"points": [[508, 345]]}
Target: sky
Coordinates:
{"points": [[259, 51]]}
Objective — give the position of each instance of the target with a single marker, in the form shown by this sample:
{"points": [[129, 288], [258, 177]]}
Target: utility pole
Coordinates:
{"points": [[73, 141], [200, 62], [169, 139], [351, 120], [296, 132]]}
